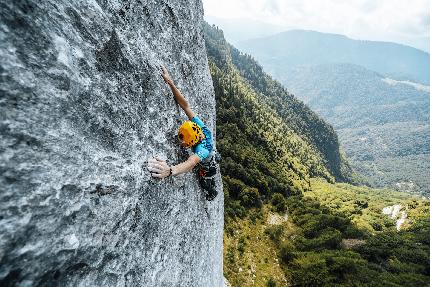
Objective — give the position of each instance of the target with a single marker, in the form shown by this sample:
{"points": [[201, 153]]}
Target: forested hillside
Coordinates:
{"points": [[279, 228], [383, 125], [265, 113]]}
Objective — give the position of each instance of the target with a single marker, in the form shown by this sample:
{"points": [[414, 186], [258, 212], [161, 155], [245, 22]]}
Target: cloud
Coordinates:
{"points": [[370, 6], [425, 20], [272, 7], [387, 20]]}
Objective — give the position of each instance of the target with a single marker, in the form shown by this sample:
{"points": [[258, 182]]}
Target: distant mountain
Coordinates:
{"points": [[419, 42], [383, 124], [300, 47]]}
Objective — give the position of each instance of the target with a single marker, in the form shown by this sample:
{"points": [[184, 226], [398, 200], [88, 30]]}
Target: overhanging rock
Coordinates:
{"points": [[82, 108]]}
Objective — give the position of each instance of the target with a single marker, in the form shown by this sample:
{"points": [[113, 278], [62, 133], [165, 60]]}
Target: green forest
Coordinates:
{"points": [[292, 217], [382, 124]]}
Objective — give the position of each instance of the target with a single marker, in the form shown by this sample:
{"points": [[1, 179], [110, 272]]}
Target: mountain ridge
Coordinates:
{"points": [[298, 47], [334, 35]]}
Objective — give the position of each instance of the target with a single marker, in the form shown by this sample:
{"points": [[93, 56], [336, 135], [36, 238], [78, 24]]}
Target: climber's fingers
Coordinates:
{"points": [[164, 73], [155, 165], [155, 161], [155, 169], [163, 69], [157, 175], [158, 167], [160, 160], [166, 76]]}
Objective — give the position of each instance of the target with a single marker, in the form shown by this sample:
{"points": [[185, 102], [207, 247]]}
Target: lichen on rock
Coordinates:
{"points": [[82, 108]]}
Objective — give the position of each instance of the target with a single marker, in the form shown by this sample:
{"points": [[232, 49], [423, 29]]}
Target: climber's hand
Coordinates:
{"points": [[166, 76], [158, 168]]}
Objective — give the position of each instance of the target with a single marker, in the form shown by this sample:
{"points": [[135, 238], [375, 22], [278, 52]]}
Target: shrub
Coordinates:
{"points": [[310, 270], [328, 239], [241, 245], [255, 214], [275, 232], [271, 282], [234, 186], [278, 202], [361, 203], [286, 253], [233, 208], [250, 197], [230, 255], [377, 226], [354, 232], [380, 247], [344, 263], [319, 222]]}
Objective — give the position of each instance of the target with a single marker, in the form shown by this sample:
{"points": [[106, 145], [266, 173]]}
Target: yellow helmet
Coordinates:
{"points": [[190, 133]]}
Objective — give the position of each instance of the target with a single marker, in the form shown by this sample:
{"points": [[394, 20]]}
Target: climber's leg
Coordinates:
{"points": [[209, 186]]}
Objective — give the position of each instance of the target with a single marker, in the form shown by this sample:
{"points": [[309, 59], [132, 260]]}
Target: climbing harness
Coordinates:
{"points": [[207, 172]]}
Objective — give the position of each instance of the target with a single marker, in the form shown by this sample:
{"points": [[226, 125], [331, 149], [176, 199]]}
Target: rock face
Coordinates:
{"points": [[82, 108]]}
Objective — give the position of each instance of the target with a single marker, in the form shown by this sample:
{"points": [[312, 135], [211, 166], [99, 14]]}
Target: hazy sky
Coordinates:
{"points": [[403, 21]]}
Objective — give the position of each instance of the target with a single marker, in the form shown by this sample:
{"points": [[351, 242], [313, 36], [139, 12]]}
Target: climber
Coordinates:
{"points": [[195, 135]]}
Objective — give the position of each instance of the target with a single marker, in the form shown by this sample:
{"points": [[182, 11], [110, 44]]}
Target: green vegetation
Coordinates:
{"points": [[250, 255], [383, 126], [335, 235], [266, 116], [264, 151], [363, 205], [322, 246]]}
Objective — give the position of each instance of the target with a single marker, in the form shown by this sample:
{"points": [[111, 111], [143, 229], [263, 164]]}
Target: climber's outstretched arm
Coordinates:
{"points": [[160, 169], [178, 96]]}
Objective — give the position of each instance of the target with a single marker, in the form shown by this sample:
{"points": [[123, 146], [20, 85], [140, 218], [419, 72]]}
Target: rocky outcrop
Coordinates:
{"points": [[82, 108], [398, 213]]}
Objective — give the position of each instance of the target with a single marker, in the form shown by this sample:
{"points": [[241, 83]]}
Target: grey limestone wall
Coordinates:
{"points": [[82, 108]]}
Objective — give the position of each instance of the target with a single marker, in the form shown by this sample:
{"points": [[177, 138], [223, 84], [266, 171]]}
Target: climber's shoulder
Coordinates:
{"points": [[196, 119], [204, 148], [208, 135]]}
